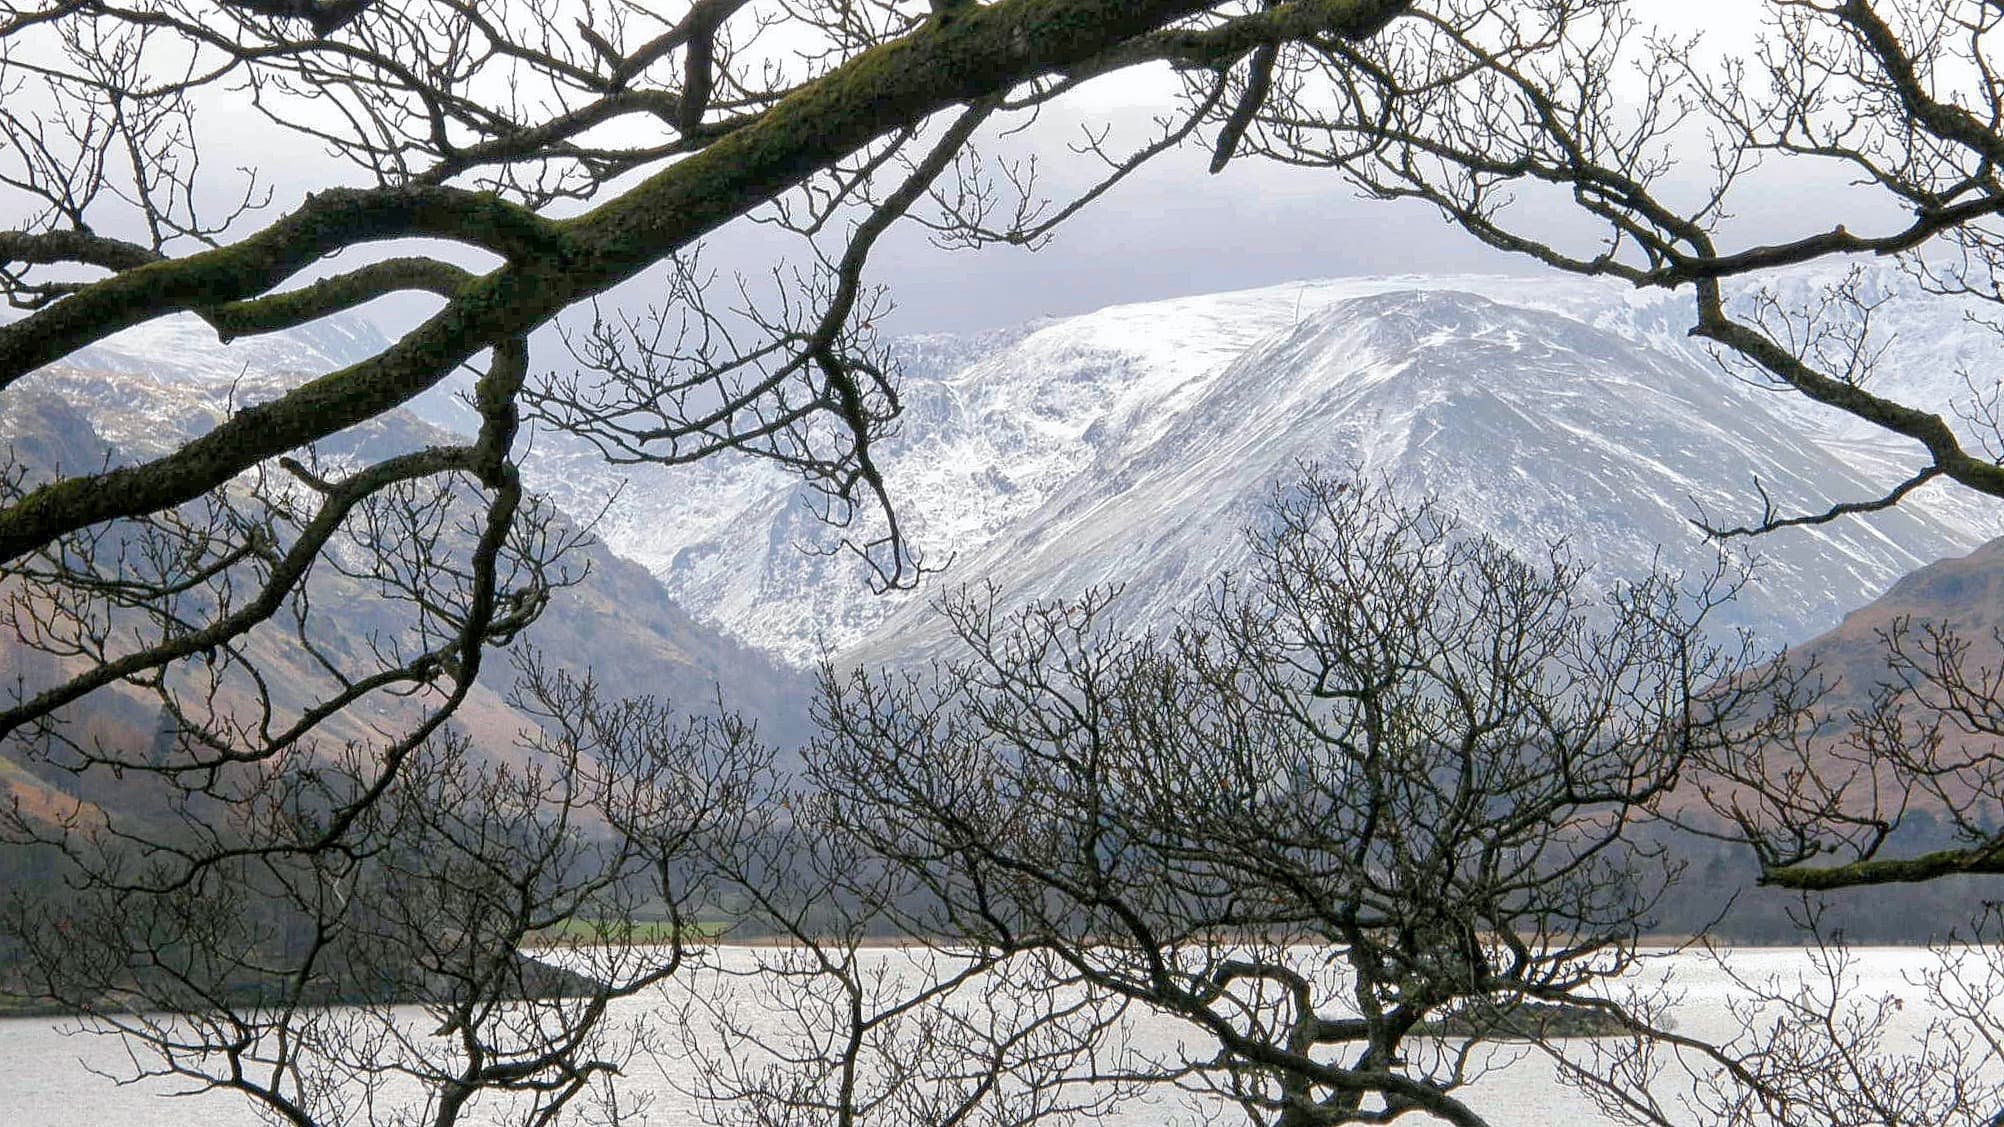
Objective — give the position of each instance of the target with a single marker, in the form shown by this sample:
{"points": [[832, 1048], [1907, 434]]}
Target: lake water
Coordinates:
{"points": [[53, 1079]]}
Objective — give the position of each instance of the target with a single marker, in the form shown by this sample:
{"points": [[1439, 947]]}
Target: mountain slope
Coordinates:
{"points": [[1128, 445], [1533, 427], [1965, 592], [1898, 734]]}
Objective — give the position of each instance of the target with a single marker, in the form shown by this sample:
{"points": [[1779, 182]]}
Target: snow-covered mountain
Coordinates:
{"points": [[1130, 445], [182, 364], [183, 350]]}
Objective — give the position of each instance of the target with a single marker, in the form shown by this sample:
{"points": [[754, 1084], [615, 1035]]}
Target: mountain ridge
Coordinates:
{"points": [[1039, 442], [1009, 438]]}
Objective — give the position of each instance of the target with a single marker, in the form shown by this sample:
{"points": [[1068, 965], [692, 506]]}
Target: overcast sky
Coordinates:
{"points": [[1175, 230], [1171, 230]]}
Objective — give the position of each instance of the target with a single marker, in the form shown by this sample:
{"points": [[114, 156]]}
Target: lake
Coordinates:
{"points": [[56, 1080]]}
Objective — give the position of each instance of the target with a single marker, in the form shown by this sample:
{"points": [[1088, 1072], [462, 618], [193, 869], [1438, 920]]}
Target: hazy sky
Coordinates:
{"points": [[1171, 230], [1176, 230]]}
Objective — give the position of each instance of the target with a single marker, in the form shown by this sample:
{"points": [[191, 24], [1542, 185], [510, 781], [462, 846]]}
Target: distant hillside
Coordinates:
{"points": [[1854, 667], [618, 621], [1850, 663], [1964, 591]]}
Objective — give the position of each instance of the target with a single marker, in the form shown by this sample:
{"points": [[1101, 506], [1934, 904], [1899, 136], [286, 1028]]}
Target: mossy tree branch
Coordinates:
{"points": [[1985, 860]]}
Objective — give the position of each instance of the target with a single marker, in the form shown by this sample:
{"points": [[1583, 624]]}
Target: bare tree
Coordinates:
{"points": [[1883, 763], [477, 131], [1882, 768], [1369, 811], [183, 625], [517, 161], [847, 1018], [392, 980]]}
